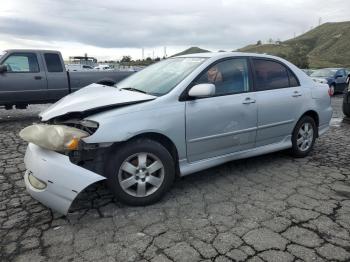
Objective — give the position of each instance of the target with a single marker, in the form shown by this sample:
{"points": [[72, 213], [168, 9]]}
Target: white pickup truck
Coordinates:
{"points": [[39, 76]]}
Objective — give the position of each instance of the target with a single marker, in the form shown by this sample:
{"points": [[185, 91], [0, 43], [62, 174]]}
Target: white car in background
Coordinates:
{"points": [[103, 67], [78, 67]]}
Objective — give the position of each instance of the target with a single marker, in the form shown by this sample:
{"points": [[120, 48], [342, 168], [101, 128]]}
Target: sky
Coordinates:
{"points": [[109, 29]]}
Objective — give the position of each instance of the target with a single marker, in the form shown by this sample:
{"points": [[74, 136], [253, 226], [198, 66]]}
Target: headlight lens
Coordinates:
{"points": [[53, 137], [36, 182]]}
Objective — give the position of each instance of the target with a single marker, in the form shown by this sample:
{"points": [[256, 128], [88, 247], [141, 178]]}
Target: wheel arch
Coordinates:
{"points": [[164, 141], [106, 81], [313, 114]]}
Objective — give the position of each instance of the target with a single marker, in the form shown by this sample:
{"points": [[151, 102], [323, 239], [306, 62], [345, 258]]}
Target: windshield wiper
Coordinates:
{"points": [[134, 89]]}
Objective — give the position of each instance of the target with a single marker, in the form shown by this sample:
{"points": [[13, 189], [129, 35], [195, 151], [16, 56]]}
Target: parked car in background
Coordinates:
{"points": [[336, 78], [78, 67], [39, 76], [103, 67], [176, 117], [308, 71]]}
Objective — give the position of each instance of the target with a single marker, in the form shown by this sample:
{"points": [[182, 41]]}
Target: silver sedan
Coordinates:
{"points": [[176, 117]]}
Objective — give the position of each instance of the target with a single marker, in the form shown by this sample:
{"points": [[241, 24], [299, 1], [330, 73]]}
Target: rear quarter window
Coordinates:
{"points": [[53, 63]]}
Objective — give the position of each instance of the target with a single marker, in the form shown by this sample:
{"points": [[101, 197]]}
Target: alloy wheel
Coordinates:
{"points": [[305, 137], [141, 174]]}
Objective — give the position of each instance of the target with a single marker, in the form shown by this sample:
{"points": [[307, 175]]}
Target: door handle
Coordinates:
{"points": [[296, 94], [38, 77], [248, 101]]}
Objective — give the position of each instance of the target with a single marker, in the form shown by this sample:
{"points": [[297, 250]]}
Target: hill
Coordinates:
{"points": [[327, 45], [192, 50]]}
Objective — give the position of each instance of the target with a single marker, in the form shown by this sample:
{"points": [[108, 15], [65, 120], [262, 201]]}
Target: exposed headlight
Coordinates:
{"points": [[53, 137]]}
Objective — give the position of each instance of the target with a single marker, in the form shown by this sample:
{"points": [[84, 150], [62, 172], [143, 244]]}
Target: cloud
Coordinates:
{"points": [[226, 24]]}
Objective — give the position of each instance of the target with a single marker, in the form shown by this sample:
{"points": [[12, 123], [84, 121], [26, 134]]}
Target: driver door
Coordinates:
{"points": [[23, 81], [226, 122]]}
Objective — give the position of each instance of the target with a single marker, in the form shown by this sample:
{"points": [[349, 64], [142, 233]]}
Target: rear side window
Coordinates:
{"points": [[270, 75], [293, 81], [53, 63], [22, 63]]}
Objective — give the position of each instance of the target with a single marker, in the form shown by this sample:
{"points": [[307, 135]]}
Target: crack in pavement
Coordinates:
{"points": [[267, 208]]}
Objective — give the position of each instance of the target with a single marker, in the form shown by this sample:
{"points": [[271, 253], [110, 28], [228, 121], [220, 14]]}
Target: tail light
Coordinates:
{"points": [[331, 91]]}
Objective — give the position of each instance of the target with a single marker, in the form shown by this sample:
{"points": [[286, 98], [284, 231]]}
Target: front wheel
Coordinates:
{"points": [[140, 172], [304, 136]]}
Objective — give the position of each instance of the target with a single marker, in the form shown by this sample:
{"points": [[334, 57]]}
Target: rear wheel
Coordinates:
{"points": [[140, 172], [304, 136]]}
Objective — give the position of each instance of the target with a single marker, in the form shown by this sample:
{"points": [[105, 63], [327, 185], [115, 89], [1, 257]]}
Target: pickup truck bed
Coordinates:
{"points": [[39, 76]]}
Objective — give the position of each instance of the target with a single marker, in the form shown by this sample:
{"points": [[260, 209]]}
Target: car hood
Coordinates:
{"points": [[92, 99]]}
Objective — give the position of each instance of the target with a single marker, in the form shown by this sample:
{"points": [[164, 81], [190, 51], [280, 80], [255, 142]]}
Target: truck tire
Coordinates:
{"points": [[106, 82]]}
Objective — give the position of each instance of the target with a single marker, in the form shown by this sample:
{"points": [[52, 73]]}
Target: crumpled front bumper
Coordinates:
{"points": [[64, 179]]}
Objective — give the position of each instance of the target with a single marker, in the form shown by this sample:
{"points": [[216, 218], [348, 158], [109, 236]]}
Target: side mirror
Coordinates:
{"points": [[3, 68], [202, 90]]}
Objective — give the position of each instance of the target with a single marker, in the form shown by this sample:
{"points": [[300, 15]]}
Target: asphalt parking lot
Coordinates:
{"points": [[267, 208]]}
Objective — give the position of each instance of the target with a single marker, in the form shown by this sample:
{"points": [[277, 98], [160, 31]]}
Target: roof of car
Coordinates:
{"points": [[226, 54]]}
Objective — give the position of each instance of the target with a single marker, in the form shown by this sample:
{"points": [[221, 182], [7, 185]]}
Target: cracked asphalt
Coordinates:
{"points": [[267, 208]]}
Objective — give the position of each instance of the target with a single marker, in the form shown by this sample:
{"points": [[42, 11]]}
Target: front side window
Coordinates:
{"points": [[158, 79], [229, 76], [22, 63], [270, 75], [53, 63]]}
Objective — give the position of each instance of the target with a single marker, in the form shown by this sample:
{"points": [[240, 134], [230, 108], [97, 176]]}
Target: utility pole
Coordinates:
{"points": [[165, 55], [143, 53], [320, 21]]}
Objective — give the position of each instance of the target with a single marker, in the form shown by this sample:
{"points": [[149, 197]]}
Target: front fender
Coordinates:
{"points": [[168, 121]]}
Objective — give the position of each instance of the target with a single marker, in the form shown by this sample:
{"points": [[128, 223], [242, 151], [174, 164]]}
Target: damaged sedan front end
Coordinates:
{"points": [[56, 171], [59, 163]]}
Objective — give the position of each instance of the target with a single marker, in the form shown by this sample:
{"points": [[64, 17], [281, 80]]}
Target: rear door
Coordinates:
{"points": [[56, 74], [280, 99], [24, 81], [226, 122]]}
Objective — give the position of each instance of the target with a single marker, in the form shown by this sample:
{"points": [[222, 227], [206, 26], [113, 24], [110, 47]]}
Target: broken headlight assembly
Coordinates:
{"points": [[53, 137]]}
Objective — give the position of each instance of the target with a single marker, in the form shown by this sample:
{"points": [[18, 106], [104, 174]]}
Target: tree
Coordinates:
{"points": [[126, 59], [259, 42], [299, 57]]}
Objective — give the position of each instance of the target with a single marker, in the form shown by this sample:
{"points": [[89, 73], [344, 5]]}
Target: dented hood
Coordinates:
{"points": [[91, 99]]}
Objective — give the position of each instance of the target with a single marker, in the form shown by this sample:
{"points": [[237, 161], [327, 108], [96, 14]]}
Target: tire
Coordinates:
{"points": [[142, 185], [106, 82], [346, 104], [297, 148]]}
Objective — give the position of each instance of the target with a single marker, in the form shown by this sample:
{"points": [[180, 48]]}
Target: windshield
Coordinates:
{"points": [[160, 78], [324, 73]]}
